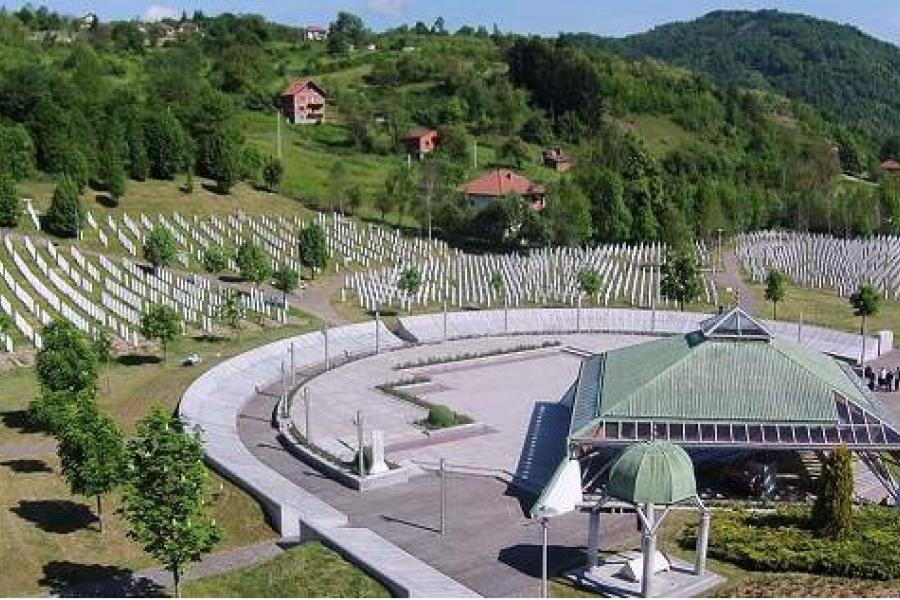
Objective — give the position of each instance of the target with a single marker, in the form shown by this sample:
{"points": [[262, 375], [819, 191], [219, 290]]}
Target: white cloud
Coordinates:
{"points": [[158, 12], [389, 7]]}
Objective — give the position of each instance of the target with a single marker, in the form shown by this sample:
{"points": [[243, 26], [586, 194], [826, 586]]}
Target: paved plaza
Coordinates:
{"points": [[517, 396]]}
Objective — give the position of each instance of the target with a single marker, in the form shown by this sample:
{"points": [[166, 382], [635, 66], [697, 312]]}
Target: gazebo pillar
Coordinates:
{"points": [[702, 543], [593, 558], [648, 541]]}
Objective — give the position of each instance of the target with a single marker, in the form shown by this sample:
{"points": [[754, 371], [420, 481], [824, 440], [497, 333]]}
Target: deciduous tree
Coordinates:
{"points": [[776, 289], [312, 249], [681, 279], [161, 322], [252, 262], [160, 247], [865, 302]]}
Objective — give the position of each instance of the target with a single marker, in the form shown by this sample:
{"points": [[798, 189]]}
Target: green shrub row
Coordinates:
{"points": [[786, 541]]}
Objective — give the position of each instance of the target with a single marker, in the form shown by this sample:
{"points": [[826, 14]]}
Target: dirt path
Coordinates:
{"points": [[731, 277], [316, 299]]}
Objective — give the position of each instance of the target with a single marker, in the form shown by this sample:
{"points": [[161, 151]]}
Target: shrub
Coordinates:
{"points": [[440, 416], [787, 541]]}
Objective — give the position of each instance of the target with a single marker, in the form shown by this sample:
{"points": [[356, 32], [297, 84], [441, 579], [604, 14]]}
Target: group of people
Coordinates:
{"points": [[883, 380]]}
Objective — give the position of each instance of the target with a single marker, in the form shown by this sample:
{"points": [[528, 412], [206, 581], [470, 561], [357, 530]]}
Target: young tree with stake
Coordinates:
{"points": [[286, 281], [160, 247], [409, 283], [776, 289], [866, 303], [164, 500], [161, 322], [92, 454]]}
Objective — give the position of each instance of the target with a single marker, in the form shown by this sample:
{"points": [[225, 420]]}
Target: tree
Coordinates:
{"points": [[312, 249], [232, 310], [346, 32], [165, 143], [92, 454], [354, 199], [409, 283], [589, 281], [161, 322], [160, 247], [681, 277], [514, 152], [252, 262], [568, 214], [832, 511], [338, 184], [102, 347], [52, 411], [10, 206], [401, 185], [226, 161], [66, 361], [273, 171], [866, 303], [776, 289], [286, 281], [384, 202], [117, 184], [215, 260], [66, 214], [164, 500]]}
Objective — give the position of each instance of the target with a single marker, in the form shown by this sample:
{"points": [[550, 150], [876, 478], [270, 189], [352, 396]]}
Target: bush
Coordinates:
{"points": [[440, 416], [787, 541]]}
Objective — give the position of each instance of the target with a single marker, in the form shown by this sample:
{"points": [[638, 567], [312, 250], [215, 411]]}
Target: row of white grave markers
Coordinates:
{"points": [[628, 274], [823, 261]]}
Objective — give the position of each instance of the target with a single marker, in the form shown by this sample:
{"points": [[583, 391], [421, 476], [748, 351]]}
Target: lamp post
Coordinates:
{"points": [[545, 522]]}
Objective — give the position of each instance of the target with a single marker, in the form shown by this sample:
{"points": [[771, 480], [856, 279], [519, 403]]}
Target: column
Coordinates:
{"points": [[593, 539], [702, 544], [648, 547]]}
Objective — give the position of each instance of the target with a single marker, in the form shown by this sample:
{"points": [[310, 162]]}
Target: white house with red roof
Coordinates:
{"points": [[500, 183], [303, 101]]}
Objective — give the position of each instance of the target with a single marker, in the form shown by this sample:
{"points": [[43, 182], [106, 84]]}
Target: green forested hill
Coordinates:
{"points": [[848, 75]]}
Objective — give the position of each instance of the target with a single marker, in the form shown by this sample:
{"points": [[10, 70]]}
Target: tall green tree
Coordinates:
{"points": [[832, 511], [312, 248], [161, 322], [339, 184], [568, 214], [66, 361], [166, 144], [681, 280], [253, 262], [66, 215], [10, 205], [160, 247], [866, 303], [165, 500], [776, 289], [92, 454], [589, 282], [226, 162]]}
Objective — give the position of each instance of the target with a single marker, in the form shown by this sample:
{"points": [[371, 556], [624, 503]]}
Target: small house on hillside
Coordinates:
{"points": [[314, 33], [420, 141], [303, 101], [499, 183], [555, 159], [891, 166]]}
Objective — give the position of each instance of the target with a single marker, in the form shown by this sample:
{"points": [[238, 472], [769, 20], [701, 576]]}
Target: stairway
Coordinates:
{"points": [[811, 461]]}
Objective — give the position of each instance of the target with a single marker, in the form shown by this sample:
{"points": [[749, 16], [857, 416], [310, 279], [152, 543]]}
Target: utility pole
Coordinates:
{"points": [[278, 134], [362, 451]]}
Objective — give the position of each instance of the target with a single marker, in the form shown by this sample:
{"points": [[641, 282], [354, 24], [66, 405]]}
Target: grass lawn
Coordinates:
{"points": [[50, 535], [825, 308], [310, 570]]}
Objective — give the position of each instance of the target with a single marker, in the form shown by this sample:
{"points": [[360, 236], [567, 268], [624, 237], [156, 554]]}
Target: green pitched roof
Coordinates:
{"points": [[695, 378], [657, 472]]}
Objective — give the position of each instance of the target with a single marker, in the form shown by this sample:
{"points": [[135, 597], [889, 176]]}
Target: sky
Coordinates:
{"points": [[603, 17]]}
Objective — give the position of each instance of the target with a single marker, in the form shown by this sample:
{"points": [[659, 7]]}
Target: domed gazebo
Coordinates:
{"points": [[646, 476]]}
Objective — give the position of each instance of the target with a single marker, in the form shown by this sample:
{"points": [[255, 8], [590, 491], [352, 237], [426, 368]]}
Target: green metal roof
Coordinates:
{"points": [[694, 378], [656, 472]]}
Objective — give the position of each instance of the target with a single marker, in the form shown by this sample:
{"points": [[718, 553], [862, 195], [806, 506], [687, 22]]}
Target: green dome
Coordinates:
{"points": [[656, 472]]}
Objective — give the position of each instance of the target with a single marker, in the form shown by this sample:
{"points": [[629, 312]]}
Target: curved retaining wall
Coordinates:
{"points": [[430, 328]]}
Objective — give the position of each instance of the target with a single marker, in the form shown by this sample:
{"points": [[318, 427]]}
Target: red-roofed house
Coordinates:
{"points": [[891, 166], [302, 101], [499, 183], [420, 140]]}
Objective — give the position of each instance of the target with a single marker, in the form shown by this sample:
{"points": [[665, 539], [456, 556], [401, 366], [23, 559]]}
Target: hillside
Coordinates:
{"points": [[848, 75]]}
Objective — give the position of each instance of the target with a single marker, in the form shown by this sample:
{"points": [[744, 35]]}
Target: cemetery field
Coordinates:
{"points": [[825, 308], [51, 535], [311, 570]]}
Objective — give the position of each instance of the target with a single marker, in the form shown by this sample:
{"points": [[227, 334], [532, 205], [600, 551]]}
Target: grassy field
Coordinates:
{"points": [[49, 535], [825, 308], [310, 570]]}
